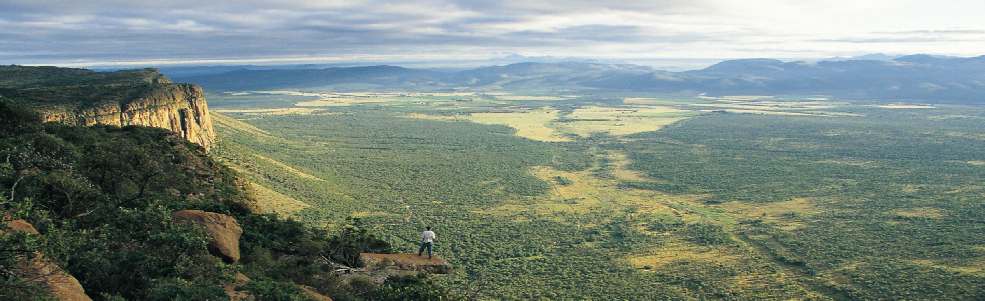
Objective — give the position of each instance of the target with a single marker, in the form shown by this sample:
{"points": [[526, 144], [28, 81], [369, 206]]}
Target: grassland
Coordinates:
{"points": [[532, 124], [639, 198], [620, 121]]}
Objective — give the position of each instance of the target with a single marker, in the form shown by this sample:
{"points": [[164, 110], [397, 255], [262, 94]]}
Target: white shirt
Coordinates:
{"points": [[427, 236]]}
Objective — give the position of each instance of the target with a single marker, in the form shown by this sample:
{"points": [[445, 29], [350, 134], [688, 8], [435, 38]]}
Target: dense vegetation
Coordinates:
{"points": [[66, 87], [102, 198], [733, 206], [900, 193], [450, 175]]}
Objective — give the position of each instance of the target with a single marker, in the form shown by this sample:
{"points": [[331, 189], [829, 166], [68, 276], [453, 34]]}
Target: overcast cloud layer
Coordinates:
{"points": [[71, 32]]}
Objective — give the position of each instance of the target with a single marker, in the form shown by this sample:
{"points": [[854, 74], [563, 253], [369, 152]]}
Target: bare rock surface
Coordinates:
{"points": [[180, 108], [60, 285], [405, 262], [222, 229]]}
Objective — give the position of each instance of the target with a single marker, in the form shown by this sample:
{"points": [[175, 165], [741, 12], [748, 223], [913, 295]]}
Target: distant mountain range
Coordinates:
{"points": [[922, 78]]}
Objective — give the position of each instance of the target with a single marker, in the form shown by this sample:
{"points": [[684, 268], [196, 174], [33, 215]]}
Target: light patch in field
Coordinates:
{"points": [[905, 106], [784, 214], [964, 135], [678, 253], [283, 92], [920, 212], [586, 193], [787, 108], [531, 97], [746, 97], [849, 162], [270, 201], [274, 112], [531, 124], [236, 125], [441, 94], [341, 101], [365, 214], [761, 112], [619, 121], [788, 113], [775, 105], [978, 267], [437, 117], [736, 97], [955, 116], [287, 168], [976, 163], [620, 168], [648, 101]]}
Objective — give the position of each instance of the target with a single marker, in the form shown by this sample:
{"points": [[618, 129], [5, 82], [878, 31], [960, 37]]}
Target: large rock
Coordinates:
{"points": [[405, 262], [222, 229], [60, 285], [19, 225]]}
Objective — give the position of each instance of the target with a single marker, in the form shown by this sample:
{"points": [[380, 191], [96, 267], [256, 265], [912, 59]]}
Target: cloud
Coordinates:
{"points": [[55, 31]]}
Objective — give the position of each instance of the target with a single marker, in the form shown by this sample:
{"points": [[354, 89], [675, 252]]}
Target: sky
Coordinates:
{"points": [[162, 32]]}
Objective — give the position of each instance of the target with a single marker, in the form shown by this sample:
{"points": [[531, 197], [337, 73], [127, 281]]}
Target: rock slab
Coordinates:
{"points": [[60, 285], [223, 230], [405, 262]]}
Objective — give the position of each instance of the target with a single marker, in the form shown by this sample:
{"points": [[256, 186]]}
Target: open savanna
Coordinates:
{"points": [[636, 198]]}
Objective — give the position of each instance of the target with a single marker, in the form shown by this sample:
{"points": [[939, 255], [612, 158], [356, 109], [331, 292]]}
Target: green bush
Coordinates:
{"points": [[418, 287], [706, 234], [274, 290], [175, 289]]}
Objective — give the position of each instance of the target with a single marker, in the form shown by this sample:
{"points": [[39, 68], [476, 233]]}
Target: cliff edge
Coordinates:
{"points": [[132, 97]]}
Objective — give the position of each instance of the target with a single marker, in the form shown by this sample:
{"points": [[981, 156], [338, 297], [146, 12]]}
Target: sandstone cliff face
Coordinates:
{"points": [[180, 108]]}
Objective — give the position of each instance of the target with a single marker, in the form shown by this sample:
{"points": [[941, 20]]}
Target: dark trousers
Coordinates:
{"points": [[421, 250]]}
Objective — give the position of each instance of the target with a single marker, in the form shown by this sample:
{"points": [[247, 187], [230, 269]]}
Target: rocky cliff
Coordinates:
{"points": [[137, 97], [180, 108]]}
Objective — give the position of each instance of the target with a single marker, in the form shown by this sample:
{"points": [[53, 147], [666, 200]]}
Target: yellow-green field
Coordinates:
{"points": [[278, 111], [536, 124], [620, 121], [273, 201]]}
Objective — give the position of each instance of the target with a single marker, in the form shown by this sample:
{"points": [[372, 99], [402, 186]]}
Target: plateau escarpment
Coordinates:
{"points": [[85, 98]]}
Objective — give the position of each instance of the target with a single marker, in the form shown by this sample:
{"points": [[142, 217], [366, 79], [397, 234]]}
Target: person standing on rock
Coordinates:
{"points": [[427, 241]]}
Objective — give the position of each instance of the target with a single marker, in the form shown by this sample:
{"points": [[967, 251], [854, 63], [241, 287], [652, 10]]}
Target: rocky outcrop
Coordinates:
{"points": [[57, 282], [180, 108], [404, 262], [19, 225], [223, 230]]}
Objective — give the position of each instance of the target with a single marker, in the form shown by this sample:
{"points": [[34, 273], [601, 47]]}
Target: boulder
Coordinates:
{"points": [[59, 284], [19, 225], [223, 230], [405, 262]]}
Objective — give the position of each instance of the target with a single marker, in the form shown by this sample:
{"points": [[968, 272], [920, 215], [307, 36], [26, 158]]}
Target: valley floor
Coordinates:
{"points": [[641, 198]]}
